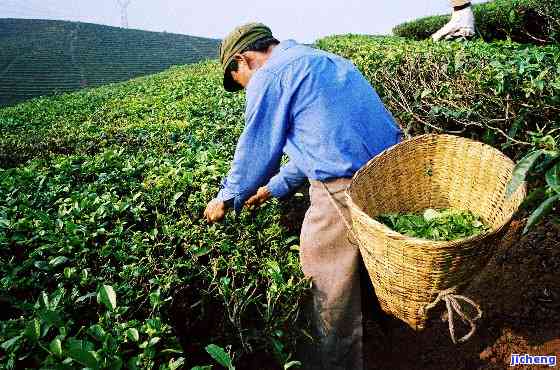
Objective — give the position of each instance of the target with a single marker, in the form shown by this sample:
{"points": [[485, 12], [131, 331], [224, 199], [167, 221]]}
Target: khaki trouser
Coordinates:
{"points": [[333, 264], [459, 2]]}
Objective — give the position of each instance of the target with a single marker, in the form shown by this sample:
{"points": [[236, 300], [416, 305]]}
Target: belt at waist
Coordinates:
{"points": [[334, 185]]}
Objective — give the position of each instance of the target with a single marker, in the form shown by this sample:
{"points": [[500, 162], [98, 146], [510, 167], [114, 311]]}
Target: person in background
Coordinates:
{"points": [[461, 23], [319, 110]]}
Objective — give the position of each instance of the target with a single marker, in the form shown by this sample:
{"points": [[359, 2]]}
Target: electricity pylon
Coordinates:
{"points": [[124, 12]]}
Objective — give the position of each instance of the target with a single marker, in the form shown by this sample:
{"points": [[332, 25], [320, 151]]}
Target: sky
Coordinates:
{"points": [[302, 20]]}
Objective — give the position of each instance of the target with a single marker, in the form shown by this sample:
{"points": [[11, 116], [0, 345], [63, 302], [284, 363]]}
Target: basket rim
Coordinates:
{"points": [[358, 173], [420, 242]]}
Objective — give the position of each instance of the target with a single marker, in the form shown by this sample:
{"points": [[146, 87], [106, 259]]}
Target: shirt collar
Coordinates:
{"points": [[278, 49], [282, 46]]}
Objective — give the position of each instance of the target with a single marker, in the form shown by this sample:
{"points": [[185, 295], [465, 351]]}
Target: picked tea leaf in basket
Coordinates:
{"points": [[432, 224]]}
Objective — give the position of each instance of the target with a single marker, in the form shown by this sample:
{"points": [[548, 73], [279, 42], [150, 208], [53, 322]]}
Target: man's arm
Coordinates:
{"points": [[286, 181], [260, 146]]}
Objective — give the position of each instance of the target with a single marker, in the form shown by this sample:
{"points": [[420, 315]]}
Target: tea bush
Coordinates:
{"points": [[525, 21], [105, 260]]}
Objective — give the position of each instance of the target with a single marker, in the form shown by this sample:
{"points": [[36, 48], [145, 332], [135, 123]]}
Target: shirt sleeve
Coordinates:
{"points": [[286, 181], [260, 146]]}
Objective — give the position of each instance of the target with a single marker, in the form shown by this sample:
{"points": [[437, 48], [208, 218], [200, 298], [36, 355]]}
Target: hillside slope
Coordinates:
{"points": [[42, 57]]}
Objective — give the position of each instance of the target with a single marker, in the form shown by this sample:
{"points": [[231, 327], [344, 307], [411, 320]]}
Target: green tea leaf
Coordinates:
{"points": [[97, 332], [56, 347], [33, 330], [10, 342], [44, 300], [540, 212], [85, 297], [176, 197], [552, 177], [83, 352], [58, 261], [291, 364], [4, 223], [220, 355], [520, 171], [107, 296], [133, 335], [174, 364], [430, 214]]}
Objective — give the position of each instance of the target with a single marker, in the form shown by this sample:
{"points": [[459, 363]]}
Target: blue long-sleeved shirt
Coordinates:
{"points": [[318, 109]]}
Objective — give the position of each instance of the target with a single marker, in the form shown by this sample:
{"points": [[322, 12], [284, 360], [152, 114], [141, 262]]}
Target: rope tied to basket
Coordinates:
{"points": [[452, 303], [338, 206]]}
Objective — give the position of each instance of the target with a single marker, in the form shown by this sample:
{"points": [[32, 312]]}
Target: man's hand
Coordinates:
{"points": [[263, 194], [215, 211]]}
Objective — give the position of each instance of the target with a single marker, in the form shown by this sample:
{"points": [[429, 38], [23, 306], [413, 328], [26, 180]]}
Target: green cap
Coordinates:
{"points": [[235, 42]]}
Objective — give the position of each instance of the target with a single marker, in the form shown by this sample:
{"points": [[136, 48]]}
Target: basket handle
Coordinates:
{"points": [[337, 206], [452, 303]]}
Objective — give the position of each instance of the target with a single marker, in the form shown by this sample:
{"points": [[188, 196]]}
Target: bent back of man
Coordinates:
{"points": [[336, 117]]}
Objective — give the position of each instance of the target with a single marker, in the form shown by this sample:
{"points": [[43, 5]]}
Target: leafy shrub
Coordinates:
{"points": [[421, 28], [543, 160], [105, 259], [525, 21]]}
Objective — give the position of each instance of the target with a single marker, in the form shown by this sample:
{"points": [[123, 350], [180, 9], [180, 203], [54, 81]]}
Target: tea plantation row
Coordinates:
{"points": [[42, 57]]}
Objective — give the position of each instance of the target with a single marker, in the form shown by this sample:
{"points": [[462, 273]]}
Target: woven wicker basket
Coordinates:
{"points": [[429, 171]]}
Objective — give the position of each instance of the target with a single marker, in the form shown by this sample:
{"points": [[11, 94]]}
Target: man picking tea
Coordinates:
{"points": [[319, 110]]}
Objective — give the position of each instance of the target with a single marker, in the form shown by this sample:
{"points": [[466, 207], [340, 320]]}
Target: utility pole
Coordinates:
{"points": [[124, 12]]}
